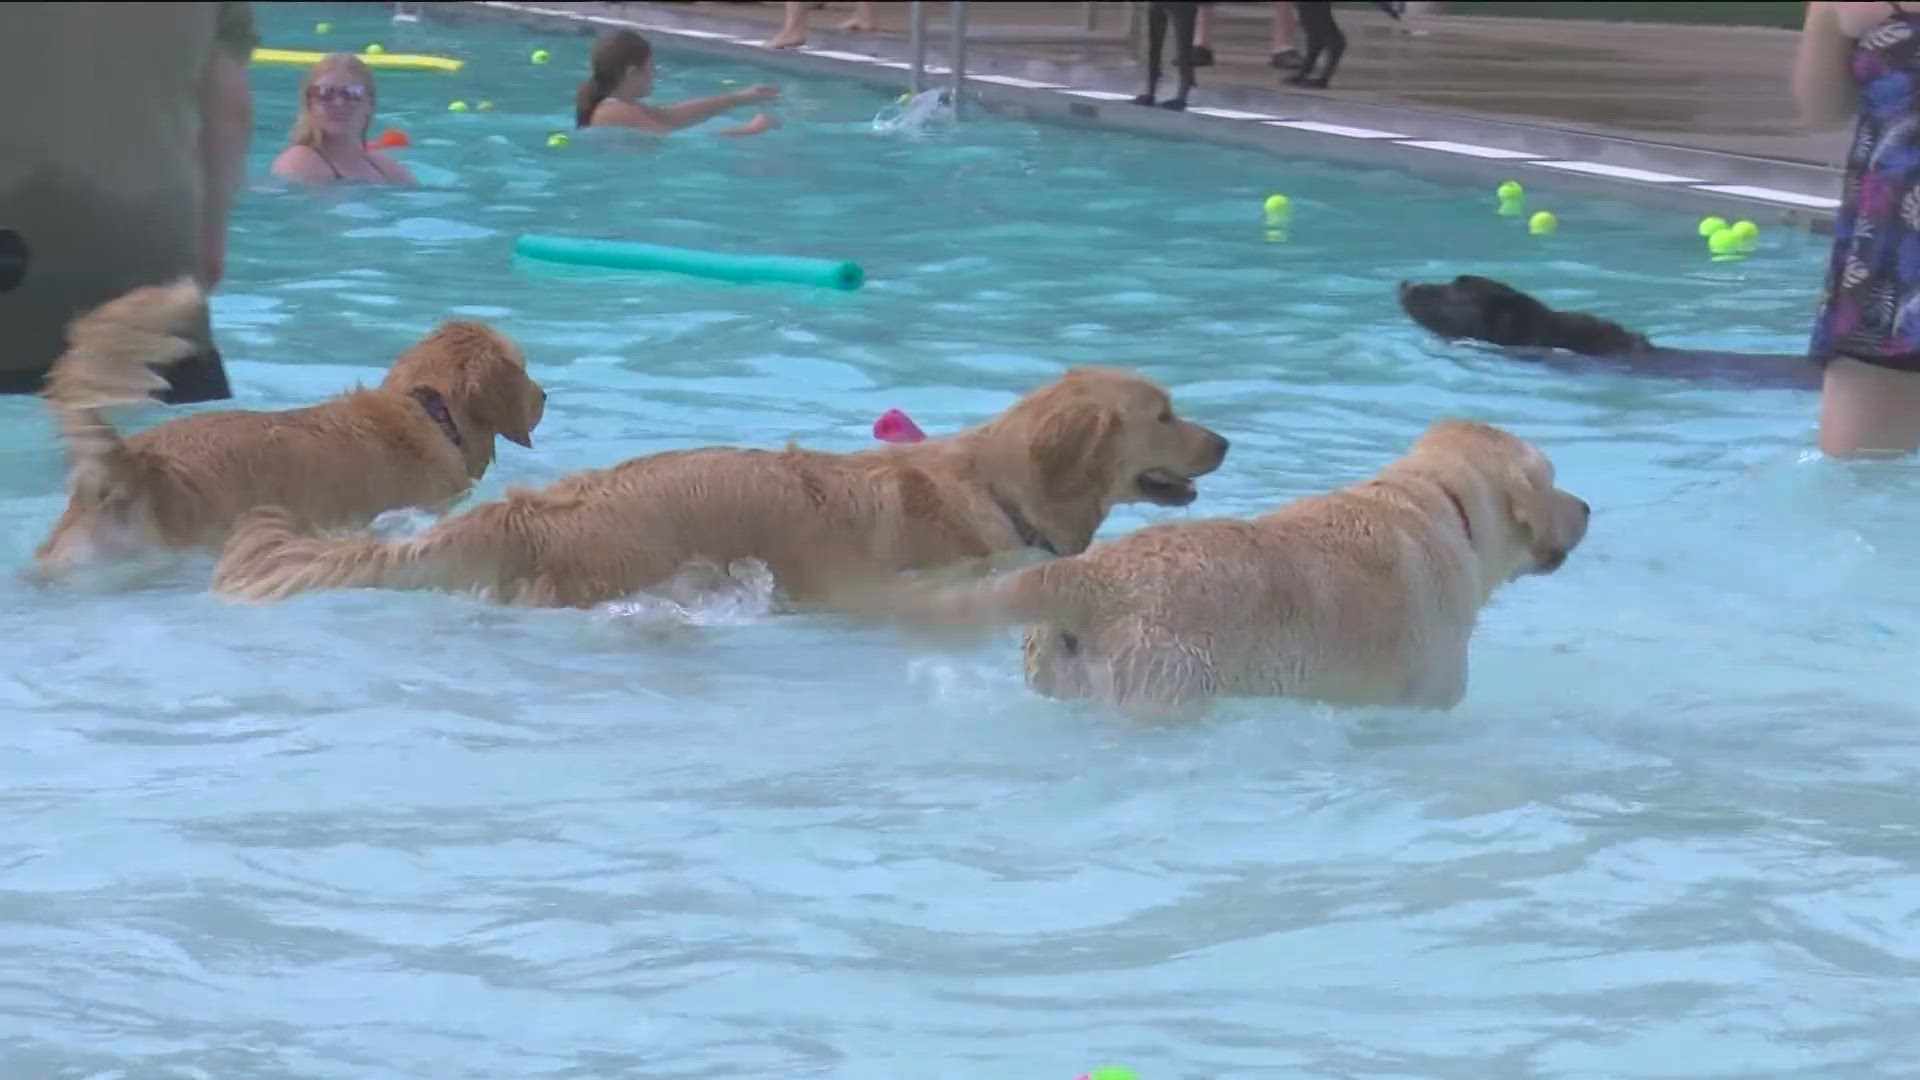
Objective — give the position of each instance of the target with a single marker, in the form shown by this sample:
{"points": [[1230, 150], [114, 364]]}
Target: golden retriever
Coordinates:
{"points": [[420, 439], [1043, 474], [1363, 596]]}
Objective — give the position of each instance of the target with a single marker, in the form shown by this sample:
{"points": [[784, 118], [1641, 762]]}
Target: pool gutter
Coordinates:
{"points": [[1546, 159]]}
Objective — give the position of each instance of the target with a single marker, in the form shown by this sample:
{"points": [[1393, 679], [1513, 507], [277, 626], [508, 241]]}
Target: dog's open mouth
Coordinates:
{"points": [[1164, 487]]}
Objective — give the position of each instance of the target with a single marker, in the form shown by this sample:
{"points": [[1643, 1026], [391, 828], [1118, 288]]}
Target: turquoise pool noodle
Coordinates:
{"points": [[627, 255]]}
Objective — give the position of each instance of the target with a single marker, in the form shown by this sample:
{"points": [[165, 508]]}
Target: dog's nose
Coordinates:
{"points": [[1220, 445], [1585, 510]]}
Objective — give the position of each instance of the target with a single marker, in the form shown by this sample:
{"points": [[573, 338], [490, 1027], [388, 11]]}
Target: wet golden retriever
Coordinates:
{"points": [[1363, 596], [1043, 474], [421, 438]]}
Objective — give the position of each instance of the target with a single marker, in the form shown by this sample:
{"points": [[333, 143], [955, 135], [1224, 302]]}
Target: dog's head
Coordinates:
{"points": [[1483, 309], [1475, 307], [1096, 433], [1518, 521], [481, 374]]}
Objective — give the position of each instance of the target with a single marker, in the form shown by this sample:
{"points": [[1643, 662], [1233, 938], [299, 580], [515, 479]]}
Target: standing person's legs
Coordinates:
{"points": [[1323, 34], [861, 19], [1285, 51], [1156, 36], [793, 32], [1867, 410], [1184, 16]]}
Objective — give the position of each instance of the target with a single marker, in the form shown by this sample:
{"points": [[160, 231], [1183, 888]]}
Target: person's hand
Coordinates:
{"points": [[753, 95], [760, 122]]}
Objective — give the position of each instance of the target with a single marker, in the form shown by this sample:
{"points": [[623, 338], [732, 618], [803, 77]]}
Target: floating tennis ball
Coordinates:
{"points": [[1543, 223], [541, 56], [323, 28], [375, 49], [1513, 198], [1711, 225], [1112, 1072], [1745, 234], [557, 140], [457, 106], [1278, 207]]}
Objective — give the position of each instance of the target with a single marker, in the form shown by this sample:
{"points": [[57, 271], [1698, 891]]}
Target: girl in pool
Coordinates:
{"points": [[614, 94], [329, 140]]}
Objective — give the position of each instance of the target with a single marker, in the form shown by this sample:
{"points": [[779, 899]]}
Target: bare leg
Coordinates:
{"points": [[1286, 35], [1869, 411], [1203, 37], [793, 33], [861, 19]]}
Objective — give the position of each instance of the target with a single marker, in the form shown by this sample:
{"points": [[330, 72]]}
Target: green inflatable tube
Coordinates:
{"points": [[626, 255]]}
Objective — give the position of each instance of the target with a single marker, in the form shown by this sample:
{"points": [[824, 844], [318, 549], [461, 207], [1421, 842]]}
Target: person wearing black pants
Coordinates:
{"points": [[1182, 15], [1323, 35]]}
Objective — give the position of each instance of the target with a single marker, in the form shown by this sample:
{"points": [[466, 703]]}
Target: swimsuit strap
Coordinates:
{"points": [[337, 174]]}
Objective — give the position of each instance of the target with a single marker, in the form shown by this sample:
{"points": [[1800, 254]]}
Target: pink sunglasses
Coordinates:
{"points": [[338, 93]]}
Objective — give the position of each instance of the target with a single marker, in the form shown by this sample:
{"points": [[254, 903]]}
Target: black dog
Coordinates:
{"points": [[1482, 309]]}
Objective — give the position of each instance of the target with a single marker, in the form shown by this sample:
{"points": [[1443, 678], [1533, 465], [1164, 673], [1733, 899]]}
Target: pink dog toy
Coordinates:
{"points": [[895, 426]]}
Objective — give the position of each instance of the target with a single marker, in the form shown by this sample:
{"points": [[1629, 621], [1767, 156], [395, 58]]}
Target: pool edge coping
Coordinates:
{"points": [[1419, 141]]}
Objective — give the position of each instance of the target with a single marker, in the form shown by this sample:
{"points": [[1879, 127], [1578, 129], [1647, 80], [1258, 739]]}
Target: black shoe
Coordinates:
{"points": [[1284, 60], [1177, 104], [1143, 99], [1202, 56]]}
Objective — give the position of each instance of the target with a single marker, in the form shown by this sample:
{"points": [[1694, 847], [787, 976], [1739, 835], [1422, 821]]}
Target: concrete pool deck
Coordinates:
{"points": [[1689, 117]]}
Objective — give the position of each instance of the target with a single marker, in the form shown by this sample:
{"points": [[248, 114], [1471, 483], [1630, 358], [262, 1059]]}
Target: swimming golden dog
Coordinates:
{"points": [[1043, 474], [421, 438], [1363, 596]]}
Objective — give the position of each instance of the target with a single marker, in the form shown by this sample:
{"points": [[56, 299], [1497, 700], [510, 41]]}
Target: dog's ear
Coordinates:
{"points": [[505, 398], [1074, 449]]}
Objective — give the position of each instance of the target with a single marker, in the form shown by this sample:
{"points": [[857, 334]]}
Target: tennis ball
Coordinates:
{"points": [[375, 49], [1113, 1072], [457, 106], [1711, 225], [1543, 223], [1278, 206], [1724, 244], [1746, 235], [323, 28], [541, 56], [557, 140], [1513, 198]]}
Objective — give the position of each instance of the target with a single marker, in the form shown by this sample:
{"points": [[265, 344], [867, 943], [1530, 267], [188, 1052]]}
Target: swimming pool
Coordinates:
{"points": [[1669, 834]]}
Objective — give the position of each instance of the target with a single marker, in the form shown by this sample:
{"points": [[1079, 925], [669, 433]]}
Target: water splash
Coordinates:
{"points": [[702, 594], [919, 114]]}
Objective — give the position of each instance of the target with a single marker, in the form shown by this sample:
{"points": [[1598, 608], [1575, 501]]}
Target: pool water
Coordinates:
{"points": [[1670, 833]]}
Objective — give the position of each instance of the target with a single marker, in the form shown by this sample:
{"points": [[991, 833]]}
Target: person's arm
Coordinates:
{"points": [[688, 113], [1822, 82], [226, 127]]}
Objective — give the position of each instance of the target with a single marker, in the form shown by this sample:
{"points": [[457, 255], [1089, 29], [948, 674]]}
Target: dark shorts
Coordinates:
{"points": [[1907, 362], [200, 377]]}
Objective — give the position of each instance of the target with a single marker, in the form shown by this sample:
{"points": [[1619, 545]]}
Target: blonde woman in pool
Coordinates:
{"points": [[614, 93], [329, 140]]}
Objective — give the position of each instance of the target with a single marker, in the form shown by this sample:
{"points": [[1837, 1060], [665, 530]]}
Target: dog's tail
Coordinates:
{"points": [[111, 351], [270, 557]]}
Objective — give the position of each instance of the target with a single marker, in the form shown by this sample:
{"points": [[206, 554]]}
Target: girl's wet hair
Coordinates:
{"points": [[614, 51]]}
